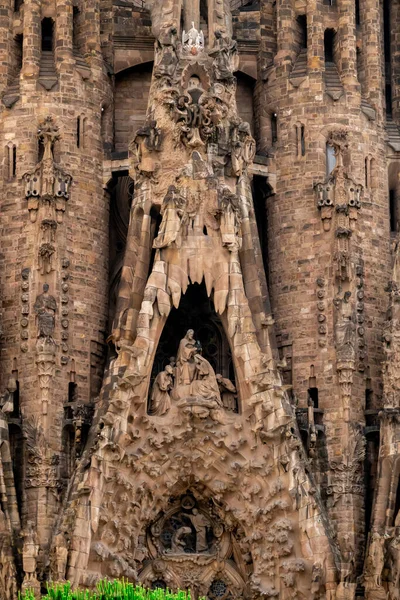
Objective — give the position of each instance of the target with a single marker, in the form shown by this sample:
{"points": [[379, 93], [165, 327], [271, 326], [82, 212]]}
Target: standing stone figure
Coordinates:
{"points": [[45, 308], [30, 553], [172, 213], [160, 398], [200, 523], [60, 556]]}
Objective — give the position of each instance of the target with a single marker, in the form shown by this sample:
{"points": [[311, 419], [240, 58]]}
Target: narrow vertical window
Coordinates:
{"points": [[357, 11], [302, 141], [394, 221], [14, 161], [274, 127], [78, 132], [329, 45], [366, 169], [302, 30]]}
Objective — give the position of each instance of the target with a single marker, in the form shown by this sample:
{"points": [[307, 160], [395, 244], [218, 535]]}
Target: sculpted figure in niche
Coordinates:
{"points": [[60, 556], [195, 376], [200, 523], [228, 393], [160, 396], [45, 308], [345, 328], [172, 212], [223, 51], [230, 220], [166, 52], [147, 141], [30, 552]]}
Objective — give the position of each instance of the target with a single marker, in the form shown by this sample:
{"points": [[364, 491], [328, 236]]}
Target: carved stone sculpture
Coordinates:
{"points": [[224, 53], [193, 40], [195, 377], [45, 308], [228, 393], [30, 553], [160, 396], [172, 212]]}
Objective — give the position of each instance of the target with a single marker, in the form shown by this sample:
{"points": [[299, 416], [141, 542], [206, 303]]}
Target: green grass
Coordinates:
{"points": [[107, 590]]}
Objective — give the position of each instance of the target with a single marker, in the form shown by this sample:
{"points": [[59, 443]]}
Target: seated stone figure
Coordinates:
{"points": [[194, 376]]}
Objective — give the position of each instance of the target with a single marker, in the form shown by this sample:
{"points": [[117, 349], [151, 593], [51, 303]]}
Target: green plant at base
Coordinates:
{"points": [[107, 590]]}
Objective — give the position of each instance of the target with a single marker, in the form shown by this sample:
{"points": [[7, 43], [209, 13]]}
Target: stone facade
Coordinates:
{"points": [[199, 269]]}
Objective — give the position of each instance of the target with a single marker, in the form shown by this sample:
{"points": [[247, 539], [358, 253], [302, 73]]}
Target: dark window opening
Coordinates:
{"points": [[17, 458], [78, 132], [366, 172], [397, 503], [40, 149], [370, 473], [205, 230], [18, 4], [274, 128], [196, 311], [72, 391], [313, 395], [47, 35], [357, 10], [393, 208], [302, 23], [156, 219], [369, 396], [18, 54], [16, 408], [121, 191], [388, 98], [68, 455], [261, 192], [203, 12], [302, 141], [386, 30], [14, 161], [329, 45]]}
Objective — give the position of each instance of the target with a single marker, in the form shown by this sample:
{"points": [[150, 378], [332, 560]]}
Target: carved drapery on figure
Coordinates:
{"points": [[191, 381]]}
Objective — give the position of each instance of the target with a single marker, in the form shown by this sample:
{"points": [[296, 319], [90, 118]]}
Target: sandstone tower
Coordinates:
{"points": [[200, 283]]}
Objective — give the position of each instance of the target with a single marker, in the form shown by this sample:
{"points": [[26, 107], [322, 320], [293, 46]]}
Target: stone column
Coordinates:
{"points": [[191, 14], [395, 57], [347, 63], [64, 31], [5, 22], [285, 18], [32, 39], [315, 43], [373, 57]]}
